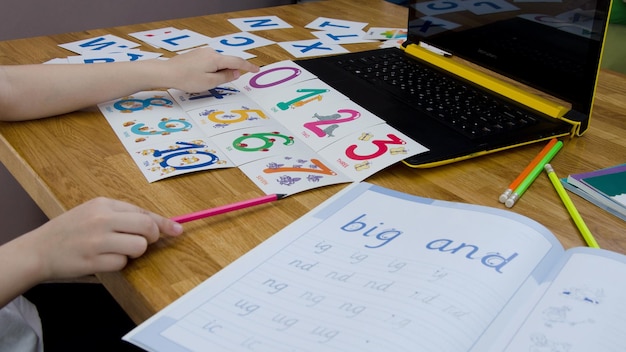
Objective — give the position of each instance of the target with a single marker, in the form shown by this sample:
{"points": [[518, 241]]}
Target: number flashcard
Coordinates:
{"points": [[217, 119], [246, 145], [179, 157], [285, 100], [319, 126], [147, 118], [368, 151], [278, 74], [287, 130], [292, 173]]}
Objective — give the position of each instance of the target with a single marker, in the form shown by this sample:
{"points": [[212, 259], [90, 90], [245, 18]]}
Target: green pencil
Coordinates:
{"points": [[533, 175]]}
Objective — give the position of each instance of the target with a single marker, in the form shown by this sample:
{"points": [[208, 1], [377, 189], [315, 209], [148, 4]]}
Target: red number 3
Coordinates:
{"points": [[380, 144]]}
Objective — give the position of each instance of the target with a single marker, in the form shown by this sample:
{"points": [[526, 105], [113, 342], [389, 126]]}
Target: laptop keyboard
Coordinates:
{"points": [[465, 108]]}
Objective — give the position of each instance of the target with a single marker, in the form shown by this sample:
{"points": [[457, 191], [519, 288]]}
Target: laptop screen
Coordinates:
{"points": [[553, 46]]}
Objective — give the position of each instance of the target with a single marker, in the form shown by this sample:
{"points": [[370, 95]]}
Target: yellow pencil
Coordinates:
{"points": [[573, 212]]}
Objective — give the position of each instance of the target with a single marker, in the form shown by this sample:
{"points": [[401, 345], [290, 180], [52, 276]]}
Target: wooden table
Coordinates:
{"points": [[65, 161]]}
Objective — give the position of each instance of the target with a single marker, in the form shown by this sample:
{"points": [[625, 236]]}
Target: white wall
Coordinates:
{"points": [[18, 213], [28, 18]]}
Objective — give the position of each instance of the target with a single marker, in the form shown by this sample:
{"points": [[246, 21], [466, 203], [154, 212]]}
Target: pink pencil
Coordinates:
{"points": [[227, 208]]}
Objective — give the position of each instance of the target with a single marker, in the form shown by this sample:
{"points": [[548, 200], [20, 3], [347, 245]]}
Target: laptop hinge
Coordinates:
{"points": [[579, 120], [498, 86]]}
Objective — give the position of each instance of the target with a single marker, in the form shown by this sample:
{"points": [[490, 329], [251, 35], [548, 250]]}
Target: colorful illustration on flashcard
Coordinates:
{"points": [[246, 145], [179, 157], [270, 77], [284, 100], [321, 125], [292, 173], [364, 153], [221, 118], [225, 93], [393, 43], [383, 33], [148, 118]]}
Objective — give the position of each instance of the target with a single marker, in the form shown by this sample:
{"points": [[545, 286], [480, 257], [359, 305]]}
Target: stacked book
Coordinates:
{"points": [[605, 188]]}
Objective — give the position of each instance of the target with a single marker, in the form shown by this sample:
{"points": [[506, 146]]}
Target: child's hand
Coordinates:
{"points": [[97, 236], [202, 69]]}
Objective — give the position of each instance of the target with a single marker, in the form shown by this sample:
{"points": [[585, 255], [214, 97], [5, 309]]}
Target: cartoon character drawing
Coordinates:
{"points": [[302, 102], [398, 150], [274, 165], [362, 166], [540, 343], [552, 315], [561, 315], [217, 93], [333, 117], [365, 136], [314, 178], [584, 294], [188, 160], [285, 180]]}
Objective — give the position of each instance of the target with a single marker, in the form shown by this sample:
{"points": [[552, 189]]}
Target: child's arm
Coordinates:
{"points": [[35, 91]]}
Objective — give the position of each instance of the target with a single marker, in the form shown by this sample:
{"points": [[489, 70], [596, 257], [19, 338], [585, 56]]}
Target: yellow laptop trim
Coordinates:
{"points": [[533, 101]]}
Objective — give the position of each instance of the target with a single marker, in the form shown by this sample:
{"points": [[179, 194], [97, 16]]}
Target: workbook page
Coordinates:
{"points": [[582, 310], [369, 270]]}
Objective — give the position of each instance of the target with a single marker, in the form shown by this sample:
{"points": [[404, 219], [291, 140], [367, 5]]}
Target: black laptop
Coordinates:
{"points": [[541, 61]]}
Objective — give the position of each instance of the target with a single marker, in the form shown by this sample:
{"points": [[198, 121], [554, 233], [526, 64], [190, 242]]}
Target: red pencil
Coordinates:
{"points": [[227, 208], [505, 195]]}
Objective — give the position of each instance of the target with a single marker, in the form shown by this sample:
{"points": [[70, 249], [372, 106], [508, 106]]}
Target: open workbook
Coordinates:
{"points": [[373, 269]]}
